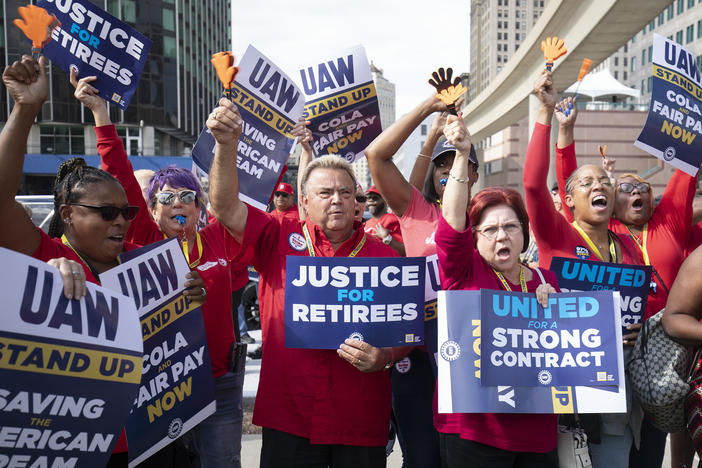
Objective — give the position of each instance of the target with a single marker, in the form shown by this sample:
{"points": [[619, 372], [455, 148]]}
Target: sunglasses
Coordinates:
{"points": [[167, 197], [628, 187], [361, 198], [110, 213]]}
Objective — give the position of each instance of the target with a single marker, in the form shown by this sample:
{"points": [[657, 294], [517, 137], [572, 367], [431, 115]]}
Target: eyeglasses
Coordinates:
{"points": [[361, 198], [587, 182], [110, 213], [628, 187], [490, 232], [167, 197]]}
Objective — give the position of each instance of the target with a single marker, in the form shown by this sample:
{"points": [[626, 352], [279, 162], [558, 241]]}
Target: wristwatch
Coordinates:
{"points": [[387, 239], [388, 365]]}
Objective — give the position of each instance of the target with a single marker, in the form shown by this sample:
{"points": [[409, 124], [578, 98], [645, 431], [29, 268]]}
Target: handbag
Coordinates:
{"points": [[572, 448], [659, 371], [693, 406]]}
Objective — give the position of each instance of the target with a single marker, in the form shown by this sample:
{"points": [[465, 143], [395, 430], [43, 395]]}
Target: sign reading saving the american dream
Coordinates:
{"points": [[69, 369], [675, 117], [632, 282], [341, 103], [177, 389], [570, 342], [460, 371], [376, 300], [270, 104], [97, 44]]}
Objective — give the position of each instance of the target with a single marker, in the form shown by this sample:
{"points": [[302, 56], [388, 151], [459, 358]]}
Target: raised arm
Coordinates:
{"points": [[566, 162], [28, 86], [396, 191], [304, 138], [683, 311], [225, 123], [675, 207], [457, 192], [421, 164]]}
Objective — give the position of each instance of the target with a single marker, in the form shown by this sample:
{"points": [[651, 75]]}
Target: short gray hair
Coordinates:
{"points": [[329, 161]]}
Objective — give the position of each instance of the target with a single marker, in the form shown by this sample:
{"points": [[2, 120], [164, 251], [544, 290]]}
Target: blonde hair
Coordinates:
{"points": [[329, 161], [633, 176]]}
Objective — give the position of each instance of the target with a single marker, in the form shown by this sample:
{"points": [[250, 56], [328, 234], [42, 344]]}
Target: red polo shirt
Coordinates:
{"points": [[293, 213], [309, 393]]}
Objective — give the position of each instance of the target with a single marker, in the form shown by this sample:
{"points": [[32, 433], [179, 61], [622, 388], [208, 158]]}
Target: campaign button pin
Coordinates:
{"points": [[297, 242], [404, 365]]}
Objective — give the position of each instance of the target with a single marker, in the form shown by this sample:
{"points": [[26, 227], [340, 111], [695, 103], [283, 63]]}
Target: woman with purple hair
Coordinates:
{"points": [[172, 210]]}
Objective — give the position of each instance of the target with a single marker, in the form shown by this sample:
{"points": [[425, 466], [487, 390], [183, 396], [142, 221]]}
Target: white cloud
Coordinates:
{"points": [[408, 40]]}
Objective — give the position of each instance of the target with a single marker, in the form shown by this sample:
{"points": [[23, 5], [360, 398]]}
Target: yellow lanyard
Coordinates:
{"points": [[310, 247], [641, 245], [522, 279], [65, 241], [184, 245], [612, 247]]}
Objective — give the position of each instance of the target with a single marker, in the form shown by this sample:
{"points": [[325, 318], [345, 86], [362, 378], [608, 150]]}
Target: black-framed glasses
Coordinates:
{"points": [[628, 187], [110, 213], [361, 198], [490, 232], [167, 197]]}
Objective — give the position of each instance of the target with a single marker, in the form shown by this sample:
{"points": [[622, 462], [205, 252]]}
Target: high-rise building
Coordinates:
{"points": [[176, 91], [386, 103], [497, 29]]}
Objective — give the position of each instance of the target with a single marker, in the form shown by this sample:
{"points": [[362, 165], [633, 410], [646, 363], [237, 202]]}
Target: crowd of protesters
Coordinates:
{"points": [[334, 408]]}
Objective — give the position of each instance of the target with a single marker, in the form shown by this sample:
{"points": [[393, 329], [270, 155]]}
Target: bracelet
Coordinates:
{"points": [[462, 181], [424, 156]]}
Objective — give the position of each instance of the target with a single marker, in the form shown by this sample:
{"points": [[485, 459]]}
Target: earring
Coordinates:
{"points": [[67, 221]]}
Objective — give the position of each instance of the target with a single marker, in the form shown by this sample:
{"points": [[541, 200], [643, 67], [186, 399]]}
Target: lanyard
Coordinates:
{"points": [[310, 247], [522, 279], [65, 241], [642, 244], [184, 245], [612, 248]]}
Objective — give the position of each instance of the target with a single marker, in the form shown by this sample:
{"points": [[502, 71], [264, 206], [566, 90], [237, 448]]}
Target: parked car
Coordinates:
{"points": [[42, 208]]}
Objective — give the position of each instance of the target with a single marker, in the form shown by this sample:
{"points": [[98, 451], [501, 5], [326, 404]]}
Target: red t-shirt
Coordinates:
{"points": [[211, 263], [462, 268], [389, 222], [555, 236], [292, 213], [310, 393], [668, 229], [53, 248]]}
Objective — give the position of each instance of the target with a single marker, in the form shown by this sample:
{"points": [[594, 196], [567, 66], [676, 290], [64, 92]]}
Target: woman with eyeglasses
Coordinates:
{"points": [[590, 197], [480, 250], [661, 233], [173, 211]]}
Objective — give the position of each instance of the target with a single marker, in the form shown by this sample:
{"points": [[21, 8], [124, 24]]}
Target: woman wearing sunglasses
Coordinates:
{"points": [[172, 211]]}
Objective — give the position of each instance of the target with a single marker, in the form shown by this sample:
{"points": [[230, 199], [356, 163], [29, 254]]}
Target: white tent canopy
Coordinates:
{"points": [[602, 83]]}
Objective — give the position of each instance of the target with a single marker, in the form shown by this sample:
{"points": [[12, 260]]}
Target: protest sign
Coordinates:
{"points": [[460, 371], [631, 281], [177, 389], [675, 117], [341, 103], [69, 369], [432, 284], [570, 342], [377, 300], [97, 44], [270, 104]]}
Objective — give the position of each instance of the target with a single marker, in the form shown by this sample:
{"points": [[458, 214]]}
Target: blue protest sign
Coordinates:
{"points": [[632, 282], [97, 44], [460, 371], [675, 117], [570, 342], [342, 103], [69, 370], [432, 284], [270, 104], [177, 389], [377, 300]]}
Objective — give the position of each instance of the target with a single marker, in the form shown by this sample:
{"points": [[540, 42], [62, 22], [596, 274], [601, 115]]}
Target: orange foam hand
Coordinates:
{"points": [[224, 65], [37, 24], [584, 68], [603, 149], [553, 49], [446, 90]]}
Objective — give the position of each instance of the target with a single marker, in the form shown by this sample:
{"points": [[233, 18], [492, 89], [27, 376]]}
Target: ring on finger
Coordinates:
{"points": [[204, 292], [75, 272]]}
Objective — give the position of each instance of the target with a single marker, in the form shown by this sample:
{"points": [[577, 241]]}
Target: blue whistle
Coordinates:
{"points": [[180, 219], [443, 181]]}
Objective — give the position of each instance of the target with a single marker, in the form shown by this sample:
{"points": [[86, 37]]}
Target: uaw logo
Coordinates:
{"points": [[356, 336], [174, 428], [582, 253], [544, 377], [450, 350], [669, 153], [297, 242]]}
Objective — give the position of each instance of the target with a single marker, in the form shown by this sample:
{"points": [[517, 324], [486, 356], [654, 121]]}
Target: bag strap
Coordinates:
{"points": [[538, 271]]}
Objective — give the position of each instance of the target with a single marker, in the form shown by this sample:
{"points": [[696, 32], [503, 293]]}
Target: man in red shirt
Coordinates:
{"points": [[283, 200], [383, 225], [316, 407]]}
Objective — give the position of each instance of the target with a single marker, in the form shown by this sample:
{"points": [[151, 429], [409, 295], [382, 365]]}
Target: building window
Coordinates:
{"points": [[671, 12], [169, 47], [633, 38], [129, 11], [62, 139], [690, 3], [643, 89], [168, 17], [699, 29], [625, 61], [689, 34], [678, 37], [681, 6], [130, 139], [661, 19], [616, 75], [626, 75], [616, 61], [633, 64], [643, 57], [650, 53], [652, 25]]}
